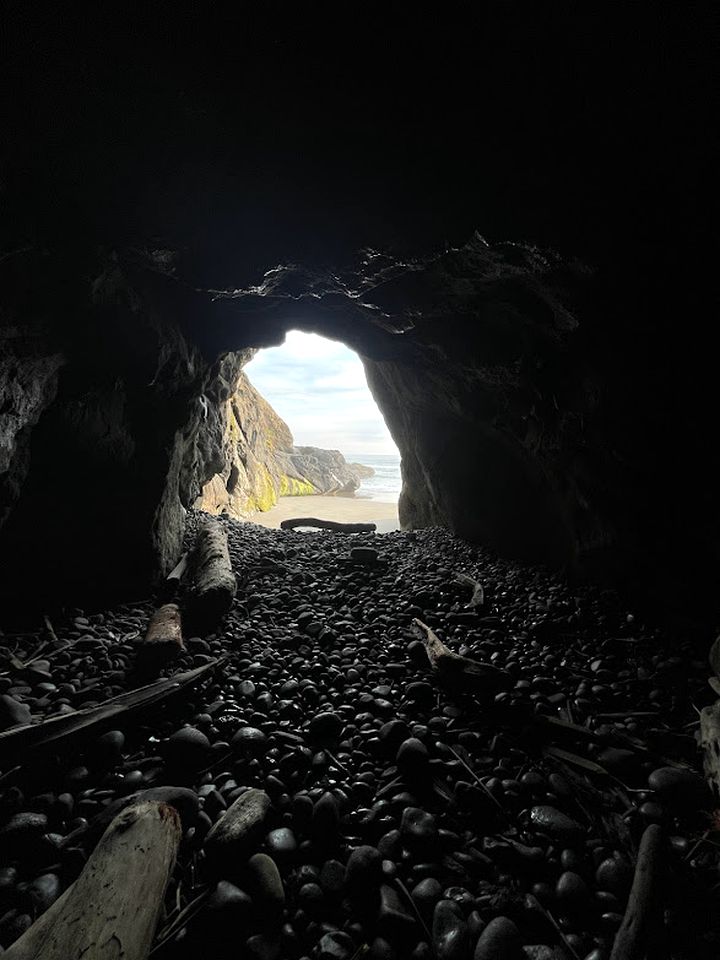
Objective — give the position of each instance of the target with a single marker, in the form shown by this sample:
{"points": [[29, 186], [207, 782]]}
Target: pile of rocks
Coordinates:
{"points": [[336, 799]]}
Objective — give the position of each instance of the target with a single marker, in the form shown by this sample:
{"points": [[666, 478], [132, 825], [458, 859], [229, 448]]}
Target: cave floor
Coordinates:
{"points": [[406, 820]]}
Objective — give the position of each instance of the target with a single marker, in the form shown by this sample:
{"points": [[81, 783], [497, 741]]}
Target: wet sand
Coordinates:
{"points": [[343, 509]]}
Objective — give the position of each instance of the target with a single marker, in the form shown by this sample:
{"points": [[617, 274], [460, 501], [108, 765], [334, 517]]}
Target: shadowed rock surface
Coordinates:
{"points": [[562, 381]]}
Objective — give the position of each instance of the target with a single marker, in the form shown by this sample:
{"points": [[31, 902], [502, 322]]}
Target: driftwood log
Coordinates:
{"points": [[113, 907], [710, 745], [478, 593], [163, 640], [214, 581], [643, 919], [333, 525], [60, 732], [461, 673]]}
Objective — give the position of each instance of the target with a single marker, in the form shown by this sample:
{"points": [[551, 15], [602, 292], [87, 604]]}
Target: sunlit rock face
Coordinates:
{"points": [[261, 462]]}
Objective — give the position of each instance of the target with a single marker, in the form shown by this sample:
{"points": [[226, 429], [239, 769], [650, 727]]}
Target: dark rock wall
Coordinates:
{"points": [[558, 408]]}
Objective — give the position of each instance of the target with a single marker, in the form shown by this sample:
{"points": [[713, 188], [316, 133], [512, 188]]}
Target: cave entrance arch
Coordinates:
{"points": [[302, 423]]}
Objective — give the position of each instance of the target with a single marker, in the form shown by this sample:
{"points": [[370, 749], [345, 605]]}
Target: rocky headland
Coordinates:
{"points": [[262, 463]]}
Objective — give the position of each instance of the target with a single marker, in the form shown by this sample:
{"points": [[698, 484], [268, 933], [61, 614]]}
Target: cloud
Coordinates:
{"points": [[318, 387]]}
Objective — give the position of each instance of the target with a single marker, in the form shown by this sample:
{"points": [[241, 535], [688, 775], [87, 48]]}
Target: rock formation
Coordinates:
{"points": [[261, 462], [552, 397]]}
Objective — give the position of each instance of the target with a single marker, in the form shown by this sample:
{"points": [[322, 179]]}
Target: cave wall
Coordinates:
{"points": [[105, 437], [184, 187], [528, 417]]}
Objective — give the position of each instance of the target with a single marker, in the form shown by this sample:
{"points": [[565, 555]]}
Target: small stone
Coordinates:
{"points": [[332, 879], [13, 713], [572, 891], [238, 831], [188, 747], [249, 741], [281, 844], [679, 788], [311, 899], [450, 934], [418, 827], [391, 735], [500, 940], [21, 828], [325, 821], [555, 824], [366, 555], [363, 873], [267, 885], [231, 901], [615, 875], [325, 726], [425, 895], [43, 892], [335, 946], [263, 946], [412, 758], [393, 921]]}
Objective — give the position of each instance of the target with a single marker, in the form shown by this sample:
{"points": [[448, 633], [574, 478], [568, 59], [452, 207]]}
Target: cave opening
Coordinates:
{"points": [[304, 436]]}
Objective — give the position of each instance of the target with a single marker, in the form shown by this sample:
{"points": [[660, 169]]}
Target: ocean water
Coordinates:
{"points": [[385, 485]]}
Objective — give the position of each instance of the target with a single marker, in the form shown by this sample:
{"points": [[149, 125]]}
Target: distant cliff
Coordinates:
{"points": [[262, 463]]}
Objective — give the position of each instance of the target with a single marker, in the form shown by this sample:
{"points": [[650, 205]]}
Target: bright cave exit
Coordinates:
{"points": [[342, 464]]}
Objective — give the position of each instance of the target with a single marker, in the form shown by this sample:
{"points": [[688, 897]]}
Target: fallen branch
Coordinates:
{"points": [[643, 917], [113, 907], [214, 581], [163, 640], [458, 672], [333, 525], [57, 731], [709, 737], [478, 592]]}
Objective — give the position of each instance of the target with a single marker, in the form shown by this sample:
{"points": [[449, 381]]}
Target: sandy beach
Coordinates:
{"points": [[344, 509]]}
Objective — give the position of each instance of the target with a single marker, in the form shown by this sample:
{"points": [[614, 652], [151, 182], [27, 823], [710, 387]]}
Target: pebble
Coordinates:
{"points": [[335, 945], [451, 938], [328, 702], [393, 920], [680, 788], [281, 844], [325, 726], [412, 758], [266, 885], [231, 901], [249, 741], [500, 940], [556, 824], [188, 747], [13, 713], [364, 873]]}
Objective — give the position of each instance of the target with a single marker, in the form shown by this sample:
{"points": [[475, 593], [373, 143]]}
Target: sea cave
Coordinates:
{"points": [[489, 730]]}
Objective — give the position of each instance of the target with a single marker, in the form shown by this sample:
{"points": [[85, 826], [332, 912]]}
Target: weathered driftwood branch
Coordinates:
{"points": [[643, 915], [214, 582], [333, 525], [59, 731], [478, 592], [163, 640], [710, 745], [460, 672], [113, 907]]}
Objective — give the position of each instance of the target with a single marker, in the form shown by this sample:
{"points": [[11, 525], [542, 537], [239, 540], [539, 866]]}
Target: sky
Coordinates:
{"points": [[318, 387]]}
